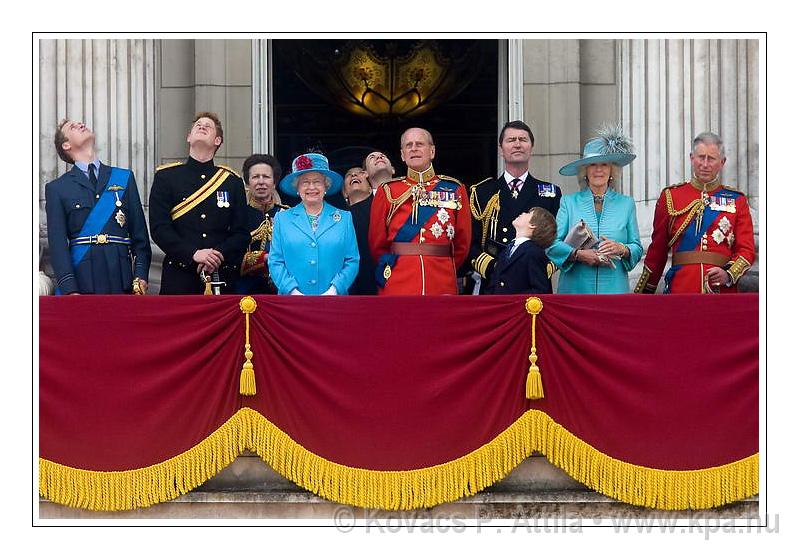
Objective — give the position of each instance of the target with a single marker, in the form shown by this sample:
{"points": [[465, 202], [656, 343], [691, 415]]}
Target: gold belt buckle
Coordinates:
{"points": [[102, 238]]}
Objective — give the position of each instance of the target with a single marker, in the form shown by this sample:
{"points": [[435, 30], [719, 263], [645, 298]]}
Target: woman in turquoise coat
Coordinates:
{"points": [[603, 268], [313, 249]]}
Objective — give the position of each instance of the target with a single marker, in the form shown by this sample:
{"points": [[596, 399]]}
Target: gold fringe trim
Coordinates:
{"points": [[393, 490], [643, 486], [137, 488], [399, 490]]}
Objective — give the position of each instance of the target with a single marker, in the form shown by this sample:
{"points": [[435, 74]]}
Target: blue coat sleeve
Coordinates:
{"points": [[284, 281], [57, 239], [343, 279], [137, 228], [560, 251]]}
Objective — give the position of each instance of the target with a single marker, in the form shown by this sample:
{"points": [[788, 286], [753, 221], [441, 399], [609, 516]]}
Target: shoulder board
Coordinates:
{"points": [[393, 179], [226, 168], [476, 185], [284, 206], [672, 186], [170, 164], [448, 178]]}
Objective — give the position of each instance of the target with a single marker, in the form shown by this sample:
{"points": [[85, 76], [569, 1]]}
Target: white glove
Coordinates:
{"points": [[330, 292]]}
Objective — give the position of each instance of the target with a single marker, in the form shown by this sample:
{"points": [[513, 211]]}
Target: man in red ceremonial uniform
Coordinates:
{"points": [[707, 226], [420, 225]]}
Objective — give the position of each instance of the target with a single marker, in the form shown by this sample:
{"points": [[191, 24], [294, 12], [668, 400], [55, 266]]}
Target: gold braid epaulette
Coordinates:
{"points": [[449, 178], [738, 268], [227, 168], [170, 164]]}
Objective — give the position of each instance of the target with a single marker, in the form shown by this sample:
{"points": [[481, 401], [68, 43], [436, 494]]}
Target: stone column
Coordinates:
{"points": [[551, 77], [109, 85]]}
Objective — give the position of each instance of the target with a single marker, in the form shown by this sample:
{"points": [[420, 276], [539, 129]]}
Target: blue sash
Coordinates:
{"points": [[408, 231], [101, 212], [691, 235]]}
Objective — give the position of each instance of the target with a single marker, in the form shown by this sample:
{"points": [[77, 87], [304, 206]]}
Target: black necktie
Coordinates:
{"points": [[92, 175]]}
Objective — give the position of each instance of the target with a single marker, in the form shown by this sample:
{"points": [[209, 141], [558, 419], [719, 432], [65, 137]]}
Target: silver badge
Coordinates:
{"points": [[120, 217], [336, 216]]}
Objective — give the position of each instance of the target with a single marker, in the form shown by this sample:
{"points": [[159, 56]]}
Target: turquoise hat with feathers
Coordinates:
{"points": [[609, 146]]}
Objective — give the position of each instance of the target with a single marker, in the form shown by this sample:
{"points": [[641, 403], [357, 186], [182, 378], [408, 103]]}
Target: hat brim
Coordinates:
{"points": [[621, 160], [288, 183]]}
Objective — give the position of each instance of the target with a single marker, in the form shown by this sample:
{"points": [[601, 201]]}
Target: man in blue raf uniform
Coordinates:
{"points": [[95, 224], [198, 214], [495, 203]]}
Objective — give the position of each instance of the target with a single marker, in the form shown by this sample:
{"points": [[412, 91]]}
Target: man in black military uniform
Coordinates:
{"points": [[198, 214], [96, 229], [495, 203]]}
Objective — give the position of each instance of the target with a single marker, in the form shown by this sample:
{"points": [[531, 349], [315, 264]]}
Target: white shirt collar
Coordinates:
{"points": [[509, 177]]}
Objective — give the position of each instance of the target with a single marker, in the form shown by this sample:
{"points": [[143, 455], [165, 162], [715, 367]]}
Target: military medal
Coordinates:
{"points": [[514, 193], [114, 189], [222, 199], [547, 191], [120, 217]]}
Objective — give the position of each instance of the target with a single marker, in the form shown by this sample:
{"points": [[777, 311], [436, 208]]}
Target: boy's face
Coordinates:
{"points": [[523, 221]]}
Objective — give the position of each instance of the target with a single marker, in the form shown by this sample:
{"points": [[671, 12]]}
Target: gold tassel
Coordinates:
{"points": [[207, 290], [247, 379], [533, 385]]}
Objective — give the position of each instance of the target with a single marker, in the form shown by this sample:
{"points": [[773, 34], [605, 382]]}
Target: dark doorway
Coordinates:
{"points": [[318, 103]]}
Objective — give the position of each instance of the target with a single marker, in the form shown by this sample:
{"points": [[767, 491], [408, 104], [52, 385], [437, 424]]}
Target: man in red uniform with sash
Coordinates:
{"points": [[420, 225], [707, 226]]}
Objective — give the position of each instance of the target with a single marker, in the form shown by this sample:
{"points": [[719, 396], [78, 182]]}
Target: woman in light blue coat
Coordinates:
{"points": [[313, 249], [603, 268]]}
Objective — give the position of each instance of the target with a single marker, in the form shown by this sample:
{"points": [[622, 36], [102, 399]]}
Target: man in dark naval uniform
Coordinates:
{"points": [[198, 214], [95, 221], [495, 203], [261, 173]]}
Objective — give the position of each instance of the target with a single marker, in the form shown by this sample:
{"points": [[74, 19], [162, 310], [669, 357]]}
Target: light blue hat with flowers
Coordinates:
{"points": [[307, 163], [609, 146]]}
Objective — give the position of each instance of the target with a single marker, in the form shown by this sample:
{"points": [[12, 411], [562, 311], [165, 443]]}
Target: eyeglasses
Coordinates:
{"points": [[311, 183]]}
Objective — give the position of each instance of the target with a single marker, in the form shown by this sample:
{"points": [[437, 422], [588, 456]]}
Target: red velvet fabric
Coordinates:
{"points": [[397, 383]]}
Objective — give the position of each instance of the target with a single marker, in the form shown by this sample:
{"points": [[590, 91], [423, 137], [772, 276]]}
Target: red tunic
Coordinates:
{"points": [[450, 225], [694, 223]]}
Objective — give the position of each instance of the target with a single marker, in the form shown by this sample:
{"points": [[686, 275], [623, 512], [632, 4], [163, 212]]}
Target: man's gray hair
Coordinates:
{"points": [[709, 138]]}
